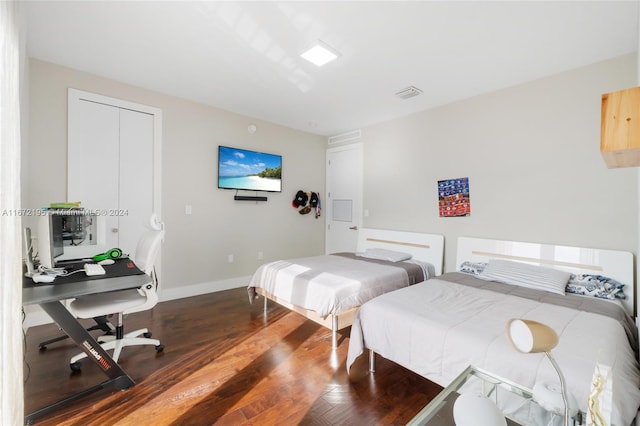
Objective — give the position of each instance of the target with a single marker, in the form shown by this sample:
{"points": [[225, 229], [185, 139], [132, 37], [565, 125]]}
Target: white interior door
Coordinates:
{"points": [[344, 196], [92, 168], [136, 177], [114, 166]]}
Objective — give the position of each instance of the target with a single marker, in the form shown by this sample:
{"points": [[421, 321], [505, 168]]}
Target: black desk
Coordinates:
{"points": [[122, 275]]}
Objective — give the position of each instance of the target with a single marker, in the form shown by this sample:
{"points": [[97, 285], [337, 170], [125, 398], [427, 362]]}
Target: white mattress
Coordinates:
{"points": [[438, 328], [329, 284]]}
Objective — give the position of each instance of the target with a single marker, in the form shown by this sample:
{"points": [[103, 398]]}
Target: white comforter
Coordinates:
{"points": [[438, 328], [328, 284]]}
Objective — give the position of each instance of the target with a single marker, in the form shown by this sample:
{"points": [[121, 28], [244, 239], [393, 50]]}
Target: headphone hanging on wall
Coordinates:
{"points": [[113, 254]]}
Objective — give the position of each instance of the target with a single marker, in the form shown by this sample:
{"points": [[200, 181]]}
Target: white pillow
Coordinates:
{"points": [[384, 254], [526, 275]]}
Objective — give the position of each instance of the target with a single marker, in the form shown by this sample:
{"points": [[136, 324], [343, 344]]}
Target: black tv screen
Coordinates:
{"points": [[249, 170]]}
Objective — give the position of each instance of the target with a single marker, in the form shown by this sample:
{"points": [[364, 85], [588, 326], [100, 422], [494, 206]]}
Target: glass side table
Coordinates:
{"points": [[523, 410]]}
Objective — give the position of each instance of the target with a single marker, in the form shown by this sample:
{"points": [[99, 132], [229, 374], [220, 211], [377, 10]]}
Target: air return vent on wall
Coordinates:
{"points": [[345, 137], [409, 92]]}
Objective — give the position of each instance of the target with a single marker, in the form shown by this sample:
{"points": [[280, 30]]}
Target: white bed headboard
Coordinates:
{"points": [[424, 247], [577, 260]]}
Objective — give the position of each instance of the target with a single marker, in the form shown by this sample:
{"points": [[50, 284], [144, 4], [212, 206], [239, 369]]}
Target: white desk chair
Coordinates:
{"points": [[125, 302]]}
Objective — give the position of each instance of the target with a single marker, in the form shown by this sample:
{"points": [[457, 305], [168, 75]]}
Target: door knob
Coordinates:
{"points": [[114, 230], [354, 228]]}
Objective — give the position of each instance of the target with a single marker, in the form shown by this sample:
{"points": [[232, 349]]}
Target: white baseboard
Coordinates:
{"points": [[35, 316], [202, 288]]}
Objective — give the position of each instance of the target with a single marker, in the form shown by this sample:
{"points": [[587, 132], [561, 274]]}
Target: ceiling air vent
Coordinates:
{"points": [[345, 137], [409, 92]]}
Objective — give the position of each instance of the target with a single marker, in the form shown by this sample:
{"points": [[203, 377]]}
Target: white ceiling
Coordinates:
{"points": [[244, 56]]}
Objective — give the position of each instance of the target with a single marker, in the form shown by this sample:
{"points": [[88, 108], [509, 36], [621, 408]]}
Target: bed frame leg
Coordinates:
{"points": [[265, 307], [372, 361], [334, 332]]}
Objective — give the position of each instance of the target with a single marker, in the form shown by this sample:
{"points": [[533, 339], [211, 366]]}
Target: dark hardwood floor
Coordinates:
{"points": [[224, 363]]}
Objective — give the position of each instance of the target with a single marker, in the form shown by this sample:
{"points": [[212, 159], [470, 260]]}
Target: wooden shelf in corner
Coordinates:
{"points": [[620, 128]]}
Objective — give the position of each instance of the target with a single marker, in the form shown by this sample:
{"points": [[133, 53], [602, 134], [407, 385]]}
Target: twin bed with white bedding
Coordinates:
{"points": [[440, 327], [328, 289]]}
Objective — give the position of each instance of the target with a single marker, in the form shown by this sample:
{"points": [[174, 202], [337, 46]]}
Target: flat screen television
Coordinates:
{"points": [[242, 169]]}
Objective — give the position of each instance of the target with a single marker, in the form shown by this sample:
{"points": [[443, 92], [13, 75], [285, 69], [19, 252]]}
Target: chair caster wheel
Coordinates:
{"points": [[160, 348], [76, 366], [147, 334]]}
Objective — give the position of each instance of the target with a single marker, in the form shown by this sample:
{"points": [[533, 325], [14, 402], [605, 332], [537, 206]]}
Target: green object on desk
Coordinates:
{"points": [[71, 205]]}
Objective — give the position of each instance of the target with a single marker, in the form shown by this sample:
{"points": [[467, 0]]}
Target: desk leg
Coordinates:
{"points": [[118, 379]]}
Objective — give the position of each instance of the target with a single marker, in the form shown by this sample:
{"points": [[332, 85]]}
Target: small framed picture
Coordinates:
{"points": [[453, 197]]}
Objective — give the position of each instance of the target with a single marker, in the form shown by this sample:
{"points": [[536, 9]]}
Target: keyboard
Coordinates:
{"points": [[93, 269]]}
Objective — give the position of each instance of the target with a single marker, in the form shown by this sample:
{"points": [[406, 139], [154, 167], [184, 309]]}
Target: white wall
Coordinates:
{"points": [[196, 246], [531, 153]]}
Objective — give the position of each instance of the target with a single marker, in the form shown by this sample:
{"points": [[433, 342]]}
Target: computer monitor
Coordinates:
{"points": [[50, 239]]}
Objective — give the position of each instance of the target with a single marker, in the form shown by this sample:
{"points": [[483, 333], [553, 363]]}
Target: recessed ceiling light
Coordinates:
{"points": [[320, 54]]}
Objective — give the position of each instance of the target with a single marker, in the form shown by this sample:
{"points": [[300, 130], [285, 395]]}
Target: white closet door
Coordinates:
{"points": [[93, 166], [136, 177], [114, 157]]}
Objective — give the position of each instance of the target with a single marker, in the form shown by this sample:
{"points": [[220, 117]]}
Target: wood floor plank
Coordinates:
{"points": [[224, 363]]}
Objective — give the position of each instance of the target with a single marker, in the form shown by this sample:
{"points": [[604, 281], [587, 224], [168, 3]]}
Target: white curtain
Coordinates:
{"points": [[11, 387]]}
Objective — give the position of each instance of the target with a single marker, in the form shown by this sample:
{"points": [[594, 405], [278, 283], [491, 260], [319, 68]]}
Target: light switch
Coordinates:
{"points": [[187, 209]]}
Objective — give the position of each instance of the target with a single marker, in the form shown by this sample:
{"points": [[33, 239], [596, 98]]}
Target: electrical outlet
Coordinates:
{"points": [[260, 255], [230, 258]]}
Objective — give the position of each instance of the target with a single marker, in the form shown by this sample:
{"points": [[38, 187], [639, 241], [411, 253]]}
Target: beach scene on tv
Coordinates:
{"points": [[249, 170]]}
